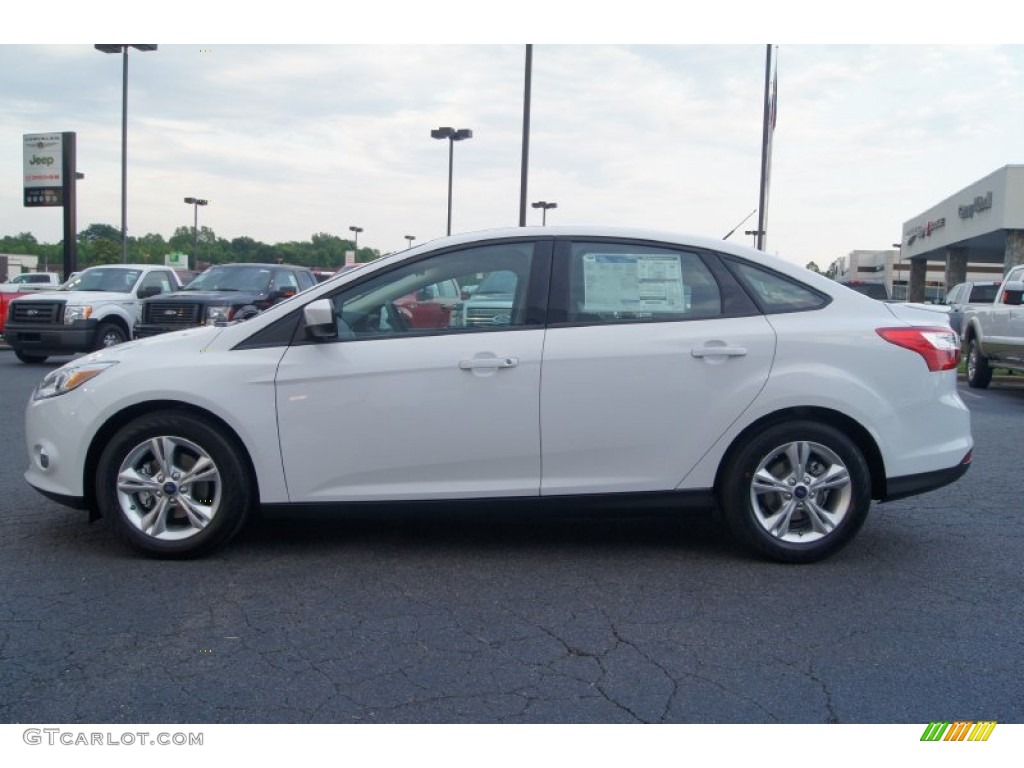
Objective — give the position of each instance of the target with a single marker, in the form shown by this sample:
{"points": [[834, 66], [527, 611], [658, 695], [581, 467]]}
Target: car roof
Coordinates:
{"points": [[681, 239]]}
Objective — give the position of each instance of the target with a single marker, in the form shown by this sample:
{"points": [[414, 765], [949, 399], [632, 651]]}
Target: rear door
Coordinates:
{"points": [[652, 353]]}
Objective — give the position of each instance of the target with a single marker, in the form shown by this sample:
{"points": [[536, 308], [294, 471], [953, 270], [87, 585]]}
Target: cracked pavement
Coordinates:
{"points": [[519, 621]]}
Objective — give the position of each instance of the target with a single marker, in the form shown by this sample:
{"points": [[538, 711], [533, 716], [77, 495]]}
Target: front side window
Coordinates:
{"points": [[158, 279], [622, 282], [285, 280], [426, 297]]}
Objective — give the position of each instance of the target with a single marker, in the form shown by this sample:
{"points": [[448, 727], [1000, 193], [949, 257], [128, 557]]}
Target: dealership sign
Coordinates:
{"points": [[979, 204], [44, 169], [925, 230]]}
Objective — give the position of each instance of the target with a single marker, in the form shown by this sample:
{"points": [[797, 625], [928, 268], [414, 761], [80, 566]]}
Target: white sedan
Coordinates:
{"points": [[630, 366]]}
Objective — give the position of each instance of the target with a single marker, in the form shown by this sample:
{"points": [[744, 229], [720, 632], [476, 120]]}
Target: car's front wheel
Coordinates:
{"points": [[27, 357], [172, 485], [109, 335], [979, 373], [796, 492]]}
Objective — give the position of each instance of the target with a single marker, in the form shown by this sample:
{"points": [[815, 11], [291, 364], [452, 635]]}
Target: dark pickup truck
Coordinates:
{"points": [[224, 293]]}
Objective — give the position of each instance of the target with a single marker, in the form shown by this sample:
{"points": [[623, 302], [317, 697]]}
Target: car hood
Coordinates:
{"points": [[198, 337], [76, 298], [207, 297]]}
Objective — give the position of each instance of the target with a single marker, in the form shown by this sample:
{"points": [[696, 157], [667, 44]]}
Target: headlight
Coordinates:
{"points": [[218, 313], [67, 378], [77, 313]]}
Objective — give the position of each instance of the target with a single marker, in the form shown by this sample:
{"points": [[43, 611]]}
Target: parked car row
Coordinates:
{"points": [[605, 367], [107, 305]]}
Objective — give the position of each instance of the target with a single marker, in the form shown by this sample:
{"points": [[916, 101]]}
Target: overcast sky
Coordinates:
{"points": [[288, 140]]}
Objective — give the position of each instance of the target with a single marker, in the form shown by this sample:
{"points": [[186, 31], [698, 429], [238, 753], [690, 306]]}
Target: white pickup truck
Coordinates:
{"points": [[31, 281], [98, 308], [993, 334]]}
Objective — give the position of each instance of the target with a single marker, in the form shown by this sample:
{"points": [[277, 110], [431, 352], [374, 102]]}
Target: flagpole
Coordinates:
{"points": [[766, 151]]}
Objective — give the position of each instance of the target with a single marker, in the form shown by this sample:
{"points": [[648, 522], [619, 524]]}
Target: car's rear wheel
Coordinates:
{"points": [[796, 492], [173, 486], [26, 357], [979, 374]]}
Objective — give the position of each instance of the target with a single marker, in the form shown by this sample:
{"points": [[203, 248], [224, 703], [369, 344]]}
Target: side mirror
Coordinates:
{"points": [[319, 317], [152, 290]]}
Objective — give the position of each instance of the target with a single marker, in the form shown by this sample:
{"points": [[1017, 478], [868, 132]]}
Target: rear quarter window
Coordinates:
{"points": [[776, 293]]}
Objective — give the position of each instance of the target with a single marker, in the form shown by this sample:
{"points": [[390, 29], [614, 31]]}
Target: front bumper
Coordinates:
{"points": [[52, 339]]}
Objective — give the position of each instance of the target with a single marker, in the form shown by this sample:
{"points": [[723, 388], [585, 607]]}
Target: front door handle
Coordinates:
{"points": [[488, 363]]}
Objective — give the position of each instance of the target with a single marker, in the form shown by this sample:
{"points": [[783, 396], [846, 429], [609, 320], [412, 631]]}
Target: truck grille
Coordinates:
{"points": [[41, 312], [171, 313], [488, 316]]}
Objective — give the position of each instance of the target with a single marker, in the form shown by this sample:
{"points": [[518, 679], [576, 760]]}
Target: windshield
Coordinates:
{"points": [[113, 279], [255, 279]]}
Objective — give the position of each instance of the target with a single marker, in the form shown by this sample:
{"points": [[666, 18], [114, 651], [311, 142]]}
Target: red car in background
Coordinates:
{"points": [[430, 306]]}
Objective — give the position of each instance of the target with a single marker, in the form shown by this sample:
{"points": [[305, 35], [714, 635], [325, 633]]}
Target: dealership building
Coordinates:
{"points": [[977, 233]]}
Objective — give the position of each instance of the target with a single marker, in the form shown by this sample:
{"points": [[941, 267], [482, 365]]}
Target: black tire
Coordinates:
{"points": [[796, 492], [979, 374], [25, 357], [109, 335], [245, 313], [155, 505]]}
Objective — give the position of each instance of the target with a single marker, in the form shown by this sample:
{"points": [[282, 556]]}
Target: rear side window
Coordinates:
{"points": [[776, 293], [983, 293], [611, 283]]}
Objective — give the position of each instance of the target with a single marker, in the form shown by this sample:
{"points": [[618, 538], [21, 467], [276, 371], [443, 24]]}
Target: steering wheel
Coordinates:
{"points": [[395, 319]]}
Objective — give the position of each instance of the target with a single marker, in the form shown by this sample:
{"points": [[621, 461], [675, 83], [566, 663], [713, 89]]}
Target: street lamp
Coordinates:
{"points": [[410, 238], [544, 206], [123, 49], [452, 135], [355, 246], [195, 202]]}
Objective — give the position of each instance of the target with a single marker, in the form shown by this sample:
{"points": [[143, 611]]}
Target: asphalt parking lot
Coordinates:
{"points": [[515, 621]]}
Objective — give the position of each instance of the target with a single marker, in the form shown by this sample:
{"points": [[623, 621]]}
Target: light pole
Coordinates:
{"points": [[545, 207], [452, 135], [410, 238], [757, 233], [123, 49], [355, 246], [195, 202], [899, 272]]}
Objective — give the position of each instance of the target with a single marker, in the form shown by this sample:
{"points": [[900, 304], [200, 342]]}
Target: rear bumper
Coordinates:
{"points": [[912, 485]]}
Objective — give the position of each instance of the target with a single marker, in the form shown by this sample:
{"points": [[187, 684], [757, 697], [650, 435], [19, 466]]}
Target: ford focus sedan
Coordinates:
{"points": [[629, 368]]}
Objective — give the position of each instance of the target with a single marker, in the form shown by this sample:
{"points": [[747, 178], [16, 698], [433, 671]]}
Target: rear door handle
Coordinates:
{"points": [[488, 363]]}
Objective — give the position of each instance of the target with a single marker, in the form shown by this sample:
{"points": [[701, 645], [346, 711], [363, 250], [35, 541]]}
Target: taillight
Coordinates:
{"points": [[939, 347]]}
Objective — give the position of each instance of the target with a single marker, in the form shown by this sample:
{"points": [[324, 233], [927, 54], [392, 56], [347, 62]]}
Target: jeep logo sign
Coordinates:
{"points": [[43, 169]]}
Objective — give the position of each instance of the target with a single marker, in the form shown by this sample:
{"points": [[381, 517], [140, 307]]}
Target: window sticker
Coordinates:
{"points": [[641, 282]]}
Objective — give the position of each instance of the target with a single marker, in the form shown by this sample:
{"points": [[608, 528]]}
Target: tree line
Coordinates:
{"points": [[101, 244]]}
